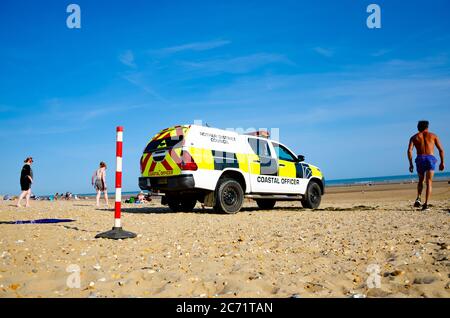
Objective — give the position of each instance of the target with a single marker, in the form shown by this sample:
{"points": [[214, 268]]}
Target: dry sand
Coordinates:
{"points": [[278, 253]]}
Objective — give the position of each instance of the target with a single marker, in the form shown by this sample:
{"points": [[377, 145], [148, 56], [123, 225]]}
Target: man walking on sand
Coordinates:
{"points": [[424, 142], [26, 179]]}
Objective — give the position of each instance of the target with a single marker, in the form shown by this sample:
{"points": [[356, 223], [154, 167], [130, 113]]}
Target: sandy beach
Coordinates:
{"points": [[283, 252]]}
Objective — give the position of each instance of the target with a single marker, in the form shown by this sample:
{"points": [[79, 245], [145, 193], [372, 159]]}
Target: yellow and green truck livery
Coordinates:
{"points": [[219, 168]]}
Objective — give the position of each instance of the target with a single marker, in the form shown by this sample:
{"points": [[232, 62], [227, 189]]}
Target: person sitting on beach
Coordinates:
{"points": [[99, 182], [140, 198], [26, 179], [424, 142]]}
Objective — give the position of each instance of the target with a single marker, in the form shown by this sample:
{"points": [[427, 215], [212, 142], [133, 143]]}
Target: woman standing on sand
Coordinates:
{"points": [[99, 182], [26, 179]]}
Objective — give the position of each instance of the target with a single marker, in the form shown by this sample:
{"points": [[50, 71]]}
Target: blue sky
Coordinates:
{"points": [[345, 96]]}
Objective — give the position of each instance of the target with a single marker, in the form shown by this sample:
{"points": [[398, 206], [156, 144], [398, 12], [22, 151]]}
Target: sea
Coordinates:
{"points": [[407, 178]]}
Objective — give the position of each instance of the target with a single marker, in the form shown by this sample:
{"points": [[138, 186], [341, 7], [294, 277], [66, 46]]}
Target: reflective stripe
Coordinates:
{"points": [[119, 164], [118, 194]]}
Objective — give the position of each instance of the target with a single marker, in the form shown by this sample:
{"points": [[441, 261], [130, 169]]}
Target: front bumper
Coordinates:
{"points": [[167, 184]]}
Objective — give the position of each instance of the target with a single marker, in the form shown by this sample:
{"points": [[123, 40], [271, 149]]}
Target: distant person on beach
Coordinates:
{"points": [[26, 179], [99, 182], [424, 142], [140, 198]]}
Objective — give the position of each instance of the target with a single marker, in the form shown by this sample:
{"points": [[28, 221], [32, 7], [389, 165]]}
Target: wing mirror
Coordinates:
{"points": [[301, 158]]}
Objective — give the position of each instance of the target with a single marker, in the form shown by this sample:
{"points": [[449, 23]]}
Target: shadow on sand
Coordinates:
{"points": [[162, 209], [165, 210]]}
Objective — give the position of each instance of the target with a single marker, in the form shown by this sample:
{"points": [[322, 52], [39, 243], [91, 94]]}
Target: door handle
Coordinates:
{"points": [[282, 165], [258, 161]]}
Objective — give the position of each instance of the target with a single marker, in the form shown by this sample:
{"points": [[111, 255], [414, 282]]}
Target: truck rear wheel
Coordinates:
{"points": [[229, 196], [312, 197], [266, 204]]}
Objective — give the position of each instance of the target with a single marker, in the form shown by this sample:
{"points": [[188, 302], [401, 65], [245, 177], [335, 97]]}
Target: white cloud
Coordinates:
{"points": [[195, 46], [237, 65], [377, 92], [127, 58], [381, 52], [108, 110], [138, 80], [323, 51]]}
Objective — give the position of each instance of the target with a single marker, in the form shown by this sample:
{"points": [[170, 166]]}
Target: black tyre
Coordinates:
{"points": [[178, 204], [229, 196], [266, 204], [312, 197]]}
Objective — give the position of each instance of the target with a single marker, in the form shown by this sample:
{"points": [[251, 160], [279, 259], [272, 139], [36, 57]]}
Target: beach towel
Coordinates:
{"points": [[39, 221]]}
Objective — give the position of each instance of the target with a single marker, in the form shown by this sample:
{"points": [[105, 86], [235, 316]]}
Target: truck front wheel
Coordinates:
{"points": [[312, 197]]}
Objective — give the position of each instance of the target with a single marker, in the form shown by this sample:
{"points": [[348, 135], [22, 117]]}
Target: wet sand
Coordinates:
{"points": [[362, 237]]}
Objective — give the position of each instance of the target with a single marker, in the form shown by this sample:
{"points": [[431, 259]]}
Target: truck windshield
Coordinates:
{"points": [[164, 144]]}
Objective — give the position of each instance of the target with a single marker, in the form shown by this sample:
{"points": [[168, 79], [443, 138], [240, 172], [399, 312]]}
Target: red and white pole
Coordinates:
{"points": [[117, 205], [117, 232]]}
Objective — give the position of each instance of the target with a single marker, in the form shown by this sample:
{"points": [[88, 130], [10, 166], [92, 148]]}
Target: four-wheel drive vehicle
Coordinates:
{"points": [[220, 168]]}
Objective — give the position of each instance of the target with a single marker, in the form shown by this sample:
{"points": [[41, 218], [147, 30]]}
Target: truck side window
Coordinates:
{"points": [[282, 153], [260, 147]]}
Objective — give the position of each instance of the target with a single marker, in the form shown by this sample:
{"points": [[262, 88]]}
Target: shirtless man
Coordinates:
{"points": [[424, 142]]}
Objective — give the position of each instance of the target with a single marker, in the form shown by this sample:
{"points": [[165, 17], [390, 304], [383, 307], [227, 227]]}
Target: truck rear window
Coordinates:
{"points": [[164, 144]]}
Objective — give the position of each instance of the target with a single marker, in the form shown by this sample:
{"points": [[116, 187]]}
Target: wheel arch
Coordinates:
{"points": [[320, 182], [236, 175]]}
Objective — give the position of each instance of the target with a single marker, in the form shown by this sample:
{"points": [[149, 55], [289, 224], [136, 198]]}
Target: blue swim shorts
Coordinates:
{"points": [[425, 163]]}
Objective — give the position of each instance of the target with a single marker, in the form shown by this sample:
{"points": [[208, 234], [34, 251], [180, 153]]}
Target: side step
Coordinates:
{"points": [[278, 197]]}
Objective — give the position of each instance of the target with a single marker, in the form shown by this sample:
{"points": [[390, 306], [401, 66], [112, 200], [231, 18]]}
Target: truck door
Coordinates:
{"points": [[289, 170], [263, 166]]}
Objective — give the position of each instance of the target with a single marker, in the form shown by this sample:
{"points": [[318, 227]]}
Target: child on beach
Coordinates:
{"points": [[99, 183], [26, 179]]}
